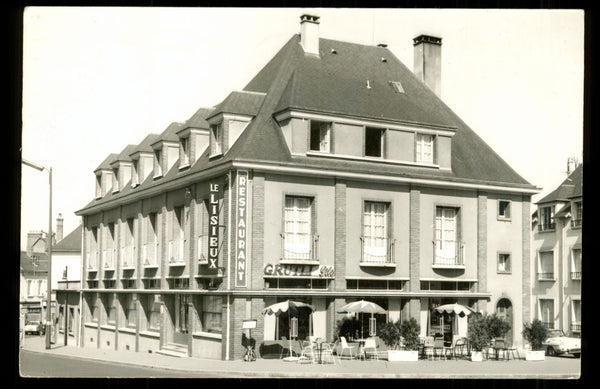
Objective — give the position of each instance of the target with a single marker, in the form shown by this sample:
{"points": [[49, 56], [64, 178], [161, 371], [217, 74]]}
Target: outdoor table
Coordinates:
{"points": [[319, 342], [361, 349]]}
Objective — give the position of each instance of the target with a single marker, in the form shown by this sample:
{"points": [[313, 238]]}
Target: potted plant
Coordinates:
{"points": [[402, 339], [497, 326], [479, 336], [535, 333]]}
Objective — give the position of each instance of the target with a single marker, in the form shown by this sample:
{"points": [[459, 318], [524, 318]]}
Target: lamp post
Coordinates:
{"points": [[48, 329]]}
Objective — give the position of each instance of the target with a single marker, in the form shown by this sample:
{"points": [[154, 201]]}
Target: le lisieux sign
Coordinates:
{"points": [[312, 271], [213, 228], [241, 228]]}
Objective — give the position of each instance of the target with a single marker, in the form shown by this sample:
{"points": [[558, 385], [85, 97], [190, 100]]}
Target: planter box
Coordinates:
{"points": [[403, 355], [538, 355], [477, 356]]}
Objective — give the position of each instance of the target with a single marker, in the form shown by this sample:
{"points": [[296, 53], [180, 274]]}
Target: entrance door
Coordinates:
{"points": [[504, 311], [182, 302]]}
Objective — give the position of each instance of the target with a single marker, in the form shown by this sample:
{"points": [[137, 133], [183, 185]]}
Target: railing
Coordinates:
{"points": [[108, 258], [376, 251], [299, 247], [203, 249], [576, 327], [149, 254], [128, 256], [576, 275], [575, 223], [548, 324], [545, 276], [176, 251], [546, 226], [452, 255]]}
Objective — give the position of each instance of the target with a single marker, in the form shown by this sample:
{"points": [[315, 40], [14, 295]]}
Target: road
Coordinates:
{"points": [[34, 364]]}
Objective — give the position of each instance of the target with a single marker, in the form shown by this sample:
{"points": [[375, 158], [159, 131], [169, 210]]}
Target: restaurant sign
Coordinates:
{"points": [[213, 228], [313, 271], [241, 223]]}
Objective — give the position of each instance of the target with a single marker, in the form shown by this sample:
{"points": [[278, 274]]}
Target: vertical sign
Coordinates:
{"points": [[242, 201], [213, 229]]}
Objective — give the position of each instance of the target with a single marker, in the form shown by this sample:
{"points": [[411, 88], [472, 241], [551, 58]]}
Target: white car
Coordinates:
{"points": [[34, 327], [557, 343]]}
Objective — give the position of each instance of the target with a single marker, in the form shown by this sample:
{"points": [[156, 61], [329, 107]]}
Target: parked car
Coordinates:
{"points": [[558, 343], [34, 327]]}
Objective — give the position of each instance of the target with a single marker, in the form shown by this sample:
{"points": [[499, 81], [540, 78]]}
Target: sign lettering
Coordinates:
{"points": [[242, 186], [315, 271], [213, 229]]}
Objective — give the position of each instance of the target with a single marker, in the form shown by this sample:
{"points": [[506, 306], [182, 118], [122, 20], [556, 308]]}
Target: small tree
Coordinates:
{"points": [[390, 334], [409, 332], [347, 327], [535, 333], [497, 326], [478, 332]]}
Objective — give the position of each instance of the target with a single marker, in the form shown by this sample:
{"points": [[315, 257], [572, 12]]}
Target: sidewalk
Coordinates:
{"points": [[551, 368]]}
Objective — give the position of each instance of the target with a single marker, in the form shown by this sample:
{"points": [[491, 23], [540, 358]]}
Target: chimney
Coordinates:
{"points": [[428, 61], [309, 33], [59, 228]]}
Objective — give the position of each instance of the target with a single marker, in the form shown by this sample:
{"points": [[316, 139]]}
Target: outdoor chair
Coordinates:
{"points": [[428, 347], [439, 347], [460, 347], [500, 346], [345, 347], [512, 349], [370, 348], [308, 354], [327, 353]]}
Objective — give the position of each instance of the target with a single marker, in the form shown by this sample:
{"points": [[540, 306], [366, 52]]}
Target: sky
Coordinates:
{"points": [[98, 79]]}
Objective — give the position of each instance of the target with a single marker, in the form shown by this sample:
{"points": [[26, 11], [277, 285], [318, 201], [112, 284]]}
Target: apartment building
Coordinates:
{"points": [[557, 254], [336, 174]]}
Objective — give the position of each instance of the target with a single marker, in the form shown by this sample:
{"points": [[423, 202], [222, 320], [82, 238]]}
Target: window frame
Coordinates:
{"points": [[551, 303], [498, 256], [329, 135], [419, 145], [184, 145], [382, 132], [310, 233], [543, 224], [540, 266], [459, 260], [573, 267], [216, 139], [387, 231], [509, 207]]}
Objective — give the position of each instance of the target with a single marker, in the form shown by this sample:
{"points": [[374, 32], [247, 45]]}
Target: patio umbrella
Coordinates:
{"points": [[292, 308], [456, 309], [362, 306]]}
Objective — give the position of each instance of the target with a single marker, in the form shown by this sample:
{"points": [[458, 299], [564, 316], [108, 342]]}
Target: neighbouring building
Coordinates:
{"points": [[557, 254], [336, 174]]}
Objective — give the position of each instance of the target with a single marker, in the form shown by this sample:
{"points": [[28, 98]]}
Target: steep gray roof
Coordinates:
{"points": [[71, 242], [571, 187]]}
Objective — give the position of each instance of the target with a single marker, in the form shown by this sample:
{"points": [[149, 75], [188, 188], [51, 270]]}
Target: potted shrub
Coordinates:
{"points": [[535, 333], [497, 326], [402, 339], [479, 336]]}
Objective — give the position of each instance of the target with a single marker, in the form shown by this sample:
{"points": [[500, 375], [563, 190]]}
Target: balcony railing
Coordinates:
{"points": [[299, 248], [149, 251], [108, 259], [377, 251], [576, 327], [176, 252], [449, 254], [548, 324], [576, 275], [128, 257], [546, 226], [545, 276], [575, 223]]}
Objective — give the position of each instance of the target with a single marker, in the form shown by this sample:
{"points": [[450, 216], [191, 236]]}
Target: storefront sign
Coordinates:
{"points": [[242, 197], [213, 229], [320, 271]]}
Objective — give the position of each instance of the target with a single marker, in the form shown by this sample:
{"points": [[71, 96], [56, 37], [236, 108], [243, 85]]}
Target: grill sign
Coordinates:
{"points": [[213, 229], [242, 197]]}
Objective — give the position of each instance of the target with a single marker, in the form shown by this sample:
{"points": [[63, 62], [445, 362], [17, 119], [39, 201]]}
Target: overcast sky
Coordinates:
{"points": [[95, 80]]}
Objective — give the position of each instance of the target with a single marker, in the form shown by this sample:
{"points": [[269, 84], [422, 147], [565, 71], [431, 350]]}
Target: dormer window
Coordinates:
{"points": [[135, 178], [320, 136], [424, 148], [184, 155], [115, 180], [217, 139], [98, 185], [157, 163], [374, 142]]}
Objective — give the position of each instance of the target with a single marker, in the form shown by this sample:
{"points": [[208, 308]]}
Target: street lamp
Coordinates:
{"points": [[49, 243]]}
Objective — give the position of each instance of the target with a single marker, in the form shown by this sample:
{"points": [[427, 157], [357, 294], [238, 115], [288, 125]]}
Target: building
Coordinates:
{"points": [[556, 256], [320, 182]]}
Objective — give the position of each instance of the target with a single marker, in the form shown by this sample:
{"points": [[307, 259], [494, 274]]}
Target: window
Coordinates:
{"points": [[447, 237], [115, 180], [211, 314], [108, 254], [157, 163], [152, 308], [149, 252], [424, 149], [217, 138], [135, 173], [111, 308], [576, 264], [176, 240], [373, 142], [29, 288], [98, 185], [320, 135], [127, 249], [546, 218], [576, 315], [546, 266], [297, 237], [94, 310], [203, 232], [185, 151], [40, 288], [504, 263], [577, 214], [546, 313], [504, 209], [93, 248], [375, 232], [374, 284], [130, 305]]}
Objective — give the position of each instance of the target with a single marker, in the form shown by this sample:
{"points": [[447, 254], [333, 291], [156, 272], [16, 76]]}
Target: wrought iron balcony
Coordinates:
{"points": [[575, 223], [546, 226], [548, 324], [377, 251], [299, 248], [545, 276], [576, 326], [449, 254], [576, 275]]}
